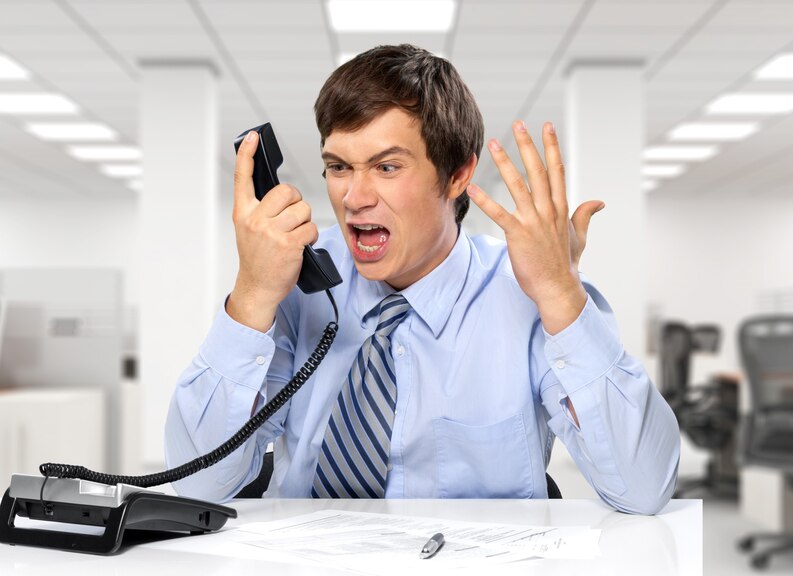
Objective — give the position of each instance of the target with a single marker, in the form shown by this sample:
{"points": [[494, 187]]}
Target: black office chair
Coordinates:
{"points": [[766, 346], [256, 488], [706, 413]]}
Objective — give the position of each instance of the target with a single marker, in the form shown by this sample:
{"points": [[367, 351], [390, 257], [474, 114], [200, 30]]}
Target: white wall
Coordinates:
{"points": [[90, 233], [71, 233]]}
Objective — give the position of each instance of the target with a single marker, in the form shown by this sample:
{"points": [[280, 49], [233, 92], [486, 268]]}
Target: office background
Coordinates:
{"points": [[709, 243]]}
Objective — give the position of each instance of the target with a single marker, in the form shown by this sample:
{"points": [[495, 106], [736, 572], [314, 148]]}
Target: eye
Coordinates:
{"points": [[335, 168], [387, 168]]}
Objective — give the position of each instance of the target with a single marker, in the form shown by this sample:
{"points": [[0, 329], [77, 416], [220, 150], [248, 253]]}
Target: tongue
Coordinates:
{"points": [[373, 237]]}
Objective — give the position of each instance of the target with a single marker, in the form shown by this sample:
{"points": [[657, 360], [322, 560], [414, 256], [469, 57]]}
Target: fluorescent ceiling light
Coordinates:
{"points": [[11, 70], [663, 170], [752, 104], [680, 152], [391, 15], [121, 170], [713, 131], [780, 68], [649, 184], [105, 152], [36, 103], [71, 131]]}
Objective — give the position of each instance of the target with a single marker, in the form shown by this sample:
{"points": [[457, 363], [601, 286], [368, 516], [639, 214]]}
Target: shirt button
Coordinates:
{"points": [[400, 350], [260, 360], [390, 466], [560, 364]]}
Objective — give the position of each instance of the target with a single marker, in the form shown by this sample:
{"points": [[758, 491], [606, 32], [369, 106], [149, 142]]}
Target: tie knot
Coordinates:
{"points": [[393, 310]]}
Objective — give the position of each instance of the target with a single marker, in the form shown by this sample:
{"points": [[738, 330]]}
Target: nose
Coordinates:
{"points": [[361, 193]]}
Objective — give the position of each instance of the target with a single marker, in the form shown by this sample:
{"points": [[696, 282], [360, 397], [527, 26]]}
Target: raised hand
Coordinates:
{"points": [[270, 235], [544, 244]]}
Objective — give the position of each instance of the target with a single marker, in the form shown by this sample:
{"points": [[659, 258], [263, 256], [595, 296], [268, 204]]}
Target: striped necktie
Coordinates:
{"points": [[354, 457]]}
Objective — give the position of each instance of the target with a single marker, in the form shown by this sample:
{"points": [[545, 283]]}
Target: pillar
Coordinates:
{"points": [[178, 219], [605, 136]]}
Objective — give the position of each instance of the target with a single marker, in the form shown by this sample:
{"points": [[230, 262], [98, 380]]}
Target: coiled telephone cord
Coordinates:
{"points": [[51, 470]]}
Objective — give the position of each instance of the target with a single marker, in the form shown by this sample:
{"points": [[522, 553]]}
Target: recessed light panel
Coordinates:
{"points": [[663, 170], [36, 103], [391, 15], [713, 131], [752, 103], [680, 152], [121, 170], [92, 153], [11, 70], [780, 68], [71, 131]]}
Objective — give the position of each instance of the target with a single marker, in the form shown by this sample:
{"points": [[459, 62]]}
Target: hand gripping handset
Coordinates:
{"points": [[318, 272]]}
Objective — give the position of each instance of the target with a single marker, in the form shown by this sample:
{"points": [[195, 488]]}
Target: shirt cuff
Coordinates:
{"points": [[584, 351], [237, 352]]}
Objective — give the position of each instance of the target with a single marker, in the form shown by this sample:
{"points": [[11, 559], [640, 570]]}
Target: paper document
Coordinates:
{"points": [[354, 540]]}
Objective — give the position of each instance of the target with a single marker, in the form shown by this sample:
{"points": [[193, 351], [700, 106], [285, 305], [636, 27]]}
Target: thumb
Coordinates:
{"points": [[580, 225], [583, 214]]}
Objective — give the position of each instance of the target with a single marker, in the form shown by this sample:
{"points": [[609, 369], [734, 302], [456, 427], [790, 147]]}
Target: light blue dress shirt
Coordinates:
{"points": [[481, 391]]}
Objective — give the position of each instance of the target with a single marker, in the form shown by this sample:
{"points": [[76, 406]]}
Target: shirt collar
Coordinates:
{"points": [[432, 297]]}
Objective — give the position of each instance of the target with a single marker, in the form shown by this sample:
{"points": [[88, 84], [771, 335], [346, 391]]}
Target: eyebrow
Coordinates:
{"points": [[374, 158]]}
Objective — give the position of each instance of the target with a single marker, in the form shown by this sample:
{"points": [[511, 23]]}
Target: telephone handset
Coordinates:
{"points": [[318, 272]]}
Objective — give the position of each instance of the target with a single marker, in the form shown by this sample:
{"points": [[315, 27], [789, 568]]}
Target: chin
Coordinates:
{"points": [[371, 271]]}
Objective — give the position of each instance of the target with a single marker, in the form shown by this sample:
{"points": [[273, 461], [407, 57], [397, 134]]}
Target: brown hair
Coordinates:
{"points": [[425, 86]]}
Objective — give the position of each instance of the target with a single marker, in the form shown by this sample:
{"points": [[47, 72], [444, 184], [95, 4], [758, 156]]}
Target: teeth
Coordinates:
{"points": [[366, 226], [365, 248]]}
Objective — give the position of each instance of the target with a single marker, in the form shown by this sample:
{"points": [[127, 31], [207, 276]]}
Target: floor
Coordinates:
{"points": [[723, 524]]}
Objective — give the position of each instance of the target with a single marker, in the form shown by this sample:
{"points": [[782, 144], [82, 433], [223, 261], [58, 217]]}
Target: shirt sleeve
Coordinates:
{"points": [[213, 398], [627, 443]]}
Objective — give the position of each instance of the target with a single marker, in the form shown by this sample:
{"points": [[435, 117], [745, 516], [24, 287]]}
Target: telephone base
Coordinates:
{"points": [[124, 508]]}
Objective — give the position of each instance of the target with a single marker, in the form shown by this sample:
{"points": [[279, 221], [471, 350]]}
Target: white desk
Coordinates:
{"points": [[667, 544]]}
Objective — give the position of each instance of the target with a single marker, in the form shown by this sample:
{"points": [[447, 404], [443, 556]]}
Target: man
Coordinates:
{"points": [[458, 360]]}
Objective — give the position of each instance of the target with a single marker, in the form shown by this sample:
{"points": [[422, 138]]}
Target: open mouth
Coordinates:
{"points": [[369, 239]]}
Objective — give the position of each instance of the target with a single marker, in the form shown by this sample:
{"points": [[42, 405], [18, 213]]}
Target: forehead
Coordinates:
{"points": [[392, 128]]}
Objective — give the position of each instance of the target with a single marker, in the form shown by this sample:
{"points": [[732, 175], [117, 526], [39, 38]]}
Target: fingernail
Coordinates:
{"points": [[494, 145], [521, 126], [472, 190], [249, 136], [551, 128]]}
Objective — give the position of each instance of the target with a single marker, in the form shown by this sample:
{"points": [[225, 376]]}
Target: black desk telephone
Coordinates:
{"points": [[72, 494]]}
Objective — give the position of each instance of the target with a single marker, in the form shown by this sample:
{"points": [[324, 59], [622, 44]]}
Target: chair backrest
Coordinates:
{"points": [[705, 338], [674, 359], [553, 488], [766, 346]]}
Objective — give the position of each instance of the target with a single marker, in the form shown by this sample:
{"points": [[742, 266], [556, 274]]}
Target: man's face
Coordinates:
{"points": [[386, 196]]}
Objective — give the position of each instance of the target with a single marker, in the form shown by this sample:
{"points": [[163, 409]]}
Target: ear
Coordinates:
{"points": [[462, 177]]}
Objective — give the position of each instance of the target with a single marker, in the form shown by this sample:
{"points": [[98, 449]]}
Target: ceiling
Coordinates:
{"points": [[273, 56]]}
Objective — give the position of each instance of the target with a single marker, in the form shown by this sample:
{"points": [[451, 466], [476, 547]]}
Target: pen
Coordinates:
{"points": [[432, 546]]}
